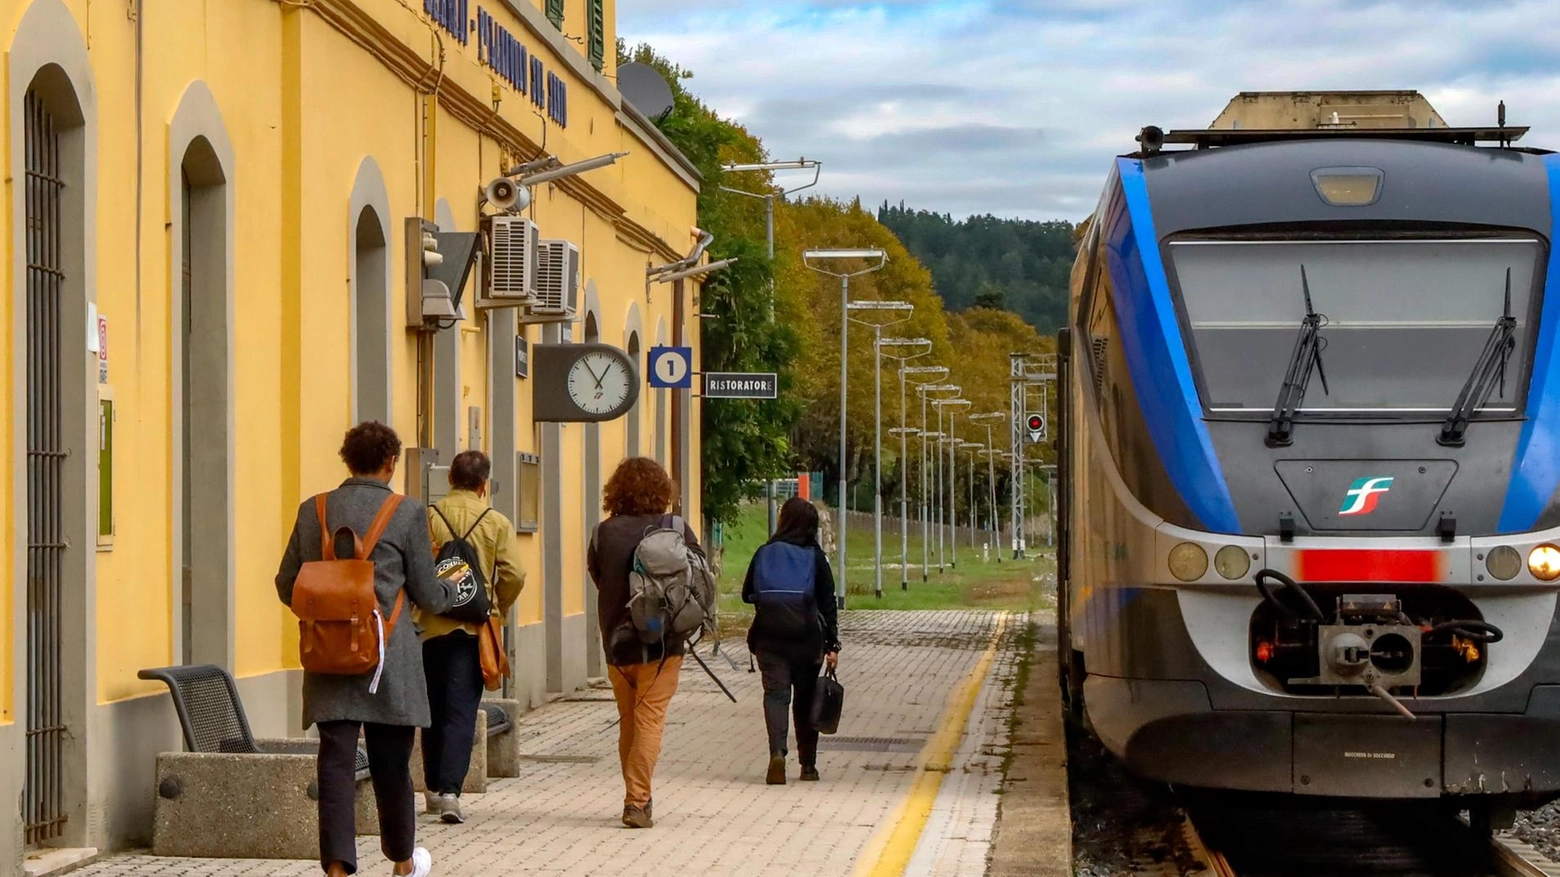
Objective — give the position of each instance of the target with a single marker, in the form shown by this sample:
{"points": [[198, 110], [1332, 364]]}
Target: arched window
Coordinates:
{"points": [[632, 425], [371, 318]]}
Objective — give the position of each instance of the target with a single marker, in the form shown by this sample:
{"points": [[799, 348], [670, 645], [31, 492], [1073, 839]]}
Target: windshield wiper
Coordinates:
{"points": [[1487, 371], [1306, 358]]}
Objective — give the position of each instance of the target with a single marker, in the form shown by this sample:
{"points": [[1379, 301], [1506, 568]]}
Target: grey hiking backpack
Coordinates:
{"points": [[671, 591]]}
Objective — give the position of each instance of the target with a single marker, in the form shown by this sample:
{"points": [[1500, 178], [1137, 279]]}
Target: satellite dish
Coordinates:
{"points": [[645, 88]]}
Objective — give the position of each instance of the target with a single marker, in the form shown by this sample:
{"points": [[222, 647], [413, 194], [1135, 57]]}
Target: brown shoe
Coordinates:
{"points": [[776, 775], [637, 817], [809, 774]]}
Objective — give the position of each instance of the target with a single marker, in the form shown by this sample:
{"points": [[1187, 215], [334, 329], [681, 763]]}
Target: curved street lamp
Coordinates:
{"points": [[876, 259]]}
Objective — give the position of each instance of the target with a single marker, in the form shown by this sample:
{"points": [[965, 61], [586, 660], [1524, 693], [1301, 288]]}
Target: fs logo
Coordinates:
{"points": [[1363, 494]]}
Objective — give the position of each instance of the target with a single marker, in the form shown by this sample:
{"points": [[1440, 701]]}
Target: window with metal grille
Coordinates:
{"points": [[596, 18], [43, 806], [555, 13]]}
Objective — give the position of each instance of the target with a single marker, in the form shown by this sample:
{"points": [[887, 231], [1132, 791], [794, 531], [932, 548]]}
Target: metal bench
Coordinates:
{"points": [[231, 795], [495, 751]]}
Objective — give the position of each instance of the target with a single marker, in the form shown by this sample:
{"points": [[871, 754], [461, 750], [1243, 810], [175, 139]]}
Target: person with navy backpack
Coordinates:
{"points": [[795, 631]]}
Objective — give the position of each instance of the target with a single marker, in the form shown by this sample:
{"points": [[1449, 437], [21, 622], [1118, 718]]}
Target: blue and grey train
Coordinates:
{"points": [[1310, 466]]}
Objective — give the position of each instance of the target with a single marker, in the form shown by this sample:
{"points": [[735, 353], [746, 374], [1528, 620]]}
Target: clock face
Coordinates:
{"points": [[598, 383]]}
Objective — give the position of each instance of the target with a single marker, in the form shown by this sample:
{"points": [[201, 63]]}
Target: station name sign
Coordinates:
{"points": [[738, 385], [505, 55]]}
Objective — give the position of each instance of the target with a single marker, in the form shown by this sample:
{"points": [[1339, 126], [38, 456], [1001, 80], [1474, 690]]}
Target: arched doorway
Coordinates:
{"points": [[58, 561], [202, 341]]}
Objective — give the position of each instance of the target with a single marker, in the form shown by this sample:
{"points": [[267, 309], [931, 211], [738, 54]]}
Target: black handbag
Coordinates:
{"points": [[828, 701]]}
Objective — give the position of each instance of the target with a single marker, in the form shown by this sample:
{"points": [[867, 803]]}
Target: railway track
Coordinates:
{"points": [[1382, 843]]}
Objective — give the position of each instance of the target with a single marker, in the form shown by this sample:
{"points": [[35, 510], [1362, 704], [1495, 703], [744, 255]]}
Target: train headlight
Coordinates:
{"points": [[1544, 563], [1504, 563], [1189, 562], [1232, 562]]}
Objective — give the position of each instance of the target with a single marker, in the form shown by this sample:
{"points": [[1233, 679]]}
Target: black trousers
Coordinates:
{"points": [[454, 671], [389, 760], [790, 683]]}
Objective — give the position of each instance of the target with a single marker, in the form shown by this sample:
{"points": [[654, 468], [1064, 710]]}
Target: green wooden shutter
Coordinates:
{"points": [[597, 19], [555, 13]]}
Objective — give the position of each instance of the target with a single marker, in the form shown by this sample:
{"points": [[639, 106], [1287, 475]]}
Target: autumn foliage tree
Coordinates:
{"points": [[746, 442]]}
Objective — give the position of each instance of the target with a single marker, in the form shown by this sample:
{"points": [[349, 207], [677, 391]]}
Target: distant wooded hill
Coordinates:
{"points": [[1017, 265]]}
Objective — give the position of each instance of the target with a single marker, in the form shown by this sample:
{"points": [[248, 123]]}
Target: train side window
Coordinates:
{"points": [[1099, 323]]}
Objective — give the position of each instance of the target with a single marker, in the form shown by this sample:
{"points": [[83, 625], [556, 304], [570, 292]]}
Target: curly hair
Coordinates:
{"points": [[368, 447], [639, 487]]}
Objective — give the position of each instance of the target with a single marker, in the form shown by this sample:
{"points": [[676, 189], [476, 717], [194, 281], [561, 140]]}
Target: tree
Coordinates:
{"points": [[744, 442]]}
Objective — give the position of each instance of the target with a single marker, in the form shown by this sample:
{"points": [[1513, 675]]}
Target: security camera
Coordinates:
{"points": [[507, 195]]}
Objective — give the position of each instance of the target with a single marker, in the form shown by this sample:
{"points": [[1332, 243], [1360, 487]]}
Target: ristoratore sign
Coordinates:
{"points": [[737, 385]]}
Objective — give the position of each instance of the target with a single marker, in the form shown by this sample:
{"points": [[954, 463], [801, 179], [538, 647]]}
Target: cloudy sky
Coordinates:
{"points": [[1014, 107]]}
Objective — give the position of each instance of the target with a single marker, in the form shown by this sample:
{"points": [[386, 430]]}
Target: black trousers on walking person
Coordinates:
{"points": [[790, 683], [454, 670], [389, 760]]}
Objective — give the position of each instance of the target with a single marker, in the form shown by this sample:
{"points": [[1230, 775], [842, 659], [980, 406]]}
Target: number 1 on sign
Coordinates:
{"points": [[671, 369]]}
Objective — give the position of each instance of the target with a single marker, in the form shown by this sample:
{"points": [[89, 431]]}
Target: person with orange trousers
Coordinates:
{"points": [[644, 676]]}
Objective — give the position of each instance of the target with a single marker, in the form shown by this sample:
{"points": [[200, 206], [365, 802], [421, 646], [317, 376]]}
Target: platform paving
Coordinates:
{"points": [[714, 814]]}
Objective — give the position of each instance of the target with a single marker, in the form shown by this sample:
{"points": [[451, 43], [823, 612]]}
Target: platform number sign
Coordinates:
{"points": [[1036, 424], [671, 368]]}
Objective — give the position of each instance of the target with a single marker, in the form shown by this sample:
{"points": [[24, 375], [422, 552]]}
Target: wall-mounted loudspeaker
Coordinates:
{"points": [[507, 195]]}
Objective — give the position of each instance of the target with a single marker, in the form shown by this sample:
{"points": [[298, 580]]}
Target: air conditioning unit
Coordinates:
{"points": [[514, 247], [557, 284]]}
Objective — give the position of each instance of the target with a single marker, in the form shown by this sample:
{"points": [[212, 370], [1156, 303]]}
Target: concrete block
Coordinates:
{"points": [[242, 806], [476, 776], [503, 749]]}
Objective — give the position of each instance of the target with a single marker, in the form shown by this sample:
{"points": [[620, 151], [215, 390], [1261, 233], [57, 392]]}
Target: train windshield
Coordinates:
{"points": [[1404, 321]]}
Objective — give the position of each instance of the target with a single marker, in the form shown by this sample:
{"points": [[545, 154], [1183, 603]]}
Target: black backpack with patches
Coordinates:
{"points": [[459, 564]]}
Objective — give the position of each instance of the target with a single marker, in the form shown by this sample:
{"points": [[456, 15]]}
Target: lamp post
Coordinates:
{"points": [[769, 197], [988, 420], [808, 258], [904, 308], [950, 513], [914, 348], [974, 448], [932, 372]]}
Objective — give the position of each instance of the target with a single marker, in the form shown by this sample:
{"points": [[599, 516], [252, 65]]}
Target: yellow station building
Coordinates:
{"points": [[206, 282]]}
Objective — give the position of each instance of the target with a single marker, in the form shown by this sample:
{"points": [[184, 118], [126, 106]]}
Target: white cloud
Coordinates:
{"points": [[1015, 107]]}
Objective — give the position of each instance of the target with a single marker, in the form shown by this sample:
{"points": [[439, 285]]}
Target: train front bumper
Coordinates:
{"points": [[1169, 731]]}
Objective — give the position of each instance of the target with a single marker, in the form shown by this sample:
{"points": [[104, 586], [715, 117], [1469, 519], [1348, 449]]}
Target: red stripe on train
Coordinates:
{"points": [[1368, 565]]}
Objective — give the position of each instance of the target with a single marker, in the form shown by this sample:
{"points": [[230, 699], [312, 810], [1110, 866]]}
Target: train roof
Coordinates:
{"points": [[1274, 181], [1207, 138]]}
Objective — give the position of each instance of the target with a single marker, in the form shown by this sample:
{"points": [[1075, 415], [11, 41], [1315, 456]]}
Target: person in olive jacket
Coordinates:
{"points": [[792, 637], [450, 657], [342, 706]]}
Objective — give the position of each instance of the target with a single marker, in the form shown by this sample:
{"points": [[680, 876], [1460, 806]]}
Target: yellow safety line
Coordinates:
{"points": [[888, 853]]}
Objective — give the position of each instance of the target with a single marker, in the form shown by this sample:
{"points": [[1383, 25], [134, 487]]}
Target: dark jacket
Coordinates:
{"points": [[825, 637], [403, 557], [609, 560]]}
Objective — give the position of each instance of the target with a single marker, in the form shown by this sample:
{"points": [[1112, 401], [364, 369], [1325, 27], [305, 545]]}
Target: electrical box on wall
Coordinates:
{"points": [[105, 522], [415, 463], [528, 492], [437, 484]]}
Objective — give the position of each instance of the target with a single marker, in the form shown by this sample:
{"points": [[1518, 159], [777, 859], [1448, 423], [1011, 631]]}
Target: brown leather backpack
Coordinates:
{"points": [[340, 629]]}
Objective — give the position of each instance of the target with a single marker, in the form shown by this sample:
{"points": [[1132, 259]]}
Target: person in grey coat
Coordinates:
{"points": [[342, 705]]}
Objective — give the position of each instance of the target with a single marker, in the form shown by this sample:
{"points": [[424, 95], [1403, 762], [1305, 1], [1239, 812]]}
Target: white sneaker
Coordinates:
{"points": [[430, 804], [422, 863]]}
